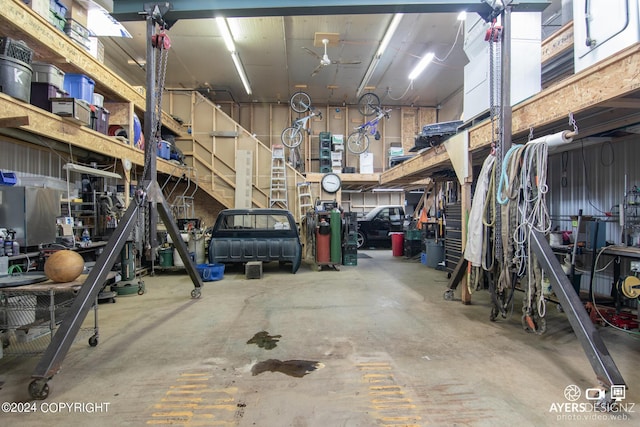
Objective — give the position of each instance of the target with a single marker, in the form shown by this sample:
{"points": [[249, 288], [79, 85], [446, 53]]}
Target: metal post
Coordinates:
{"points": [[53, 356], [588, 336]]}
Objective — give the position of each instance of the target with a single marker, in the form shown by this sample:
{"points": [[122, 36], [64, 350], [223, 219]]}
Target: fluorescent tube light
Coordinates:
{"points": [[231, 47], [90, 171], [241, 73], [426, 59], [462, 16], [226, 33], [391, 29]]}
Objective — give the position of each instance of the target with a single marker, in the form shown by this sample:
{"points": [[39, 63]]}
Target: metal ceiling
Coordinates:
{"points": [[272, 51]]}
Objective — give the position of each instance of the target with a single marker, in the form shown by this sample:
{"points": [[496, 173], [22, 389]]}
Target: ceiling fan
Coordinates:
{"points": [[324, 59]]}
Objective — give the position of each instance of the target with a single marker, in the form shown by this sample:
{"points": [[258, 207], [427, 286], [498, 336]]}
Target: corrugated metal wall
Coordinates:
{"points": [[29, 160], [591, 176]]}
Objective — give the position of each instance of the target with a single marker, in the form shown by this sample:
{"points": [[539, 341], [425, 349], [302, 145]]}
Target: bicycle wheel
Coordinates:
{"points": [[300, 102], [358, 142], [369, 104], [291, 137]]}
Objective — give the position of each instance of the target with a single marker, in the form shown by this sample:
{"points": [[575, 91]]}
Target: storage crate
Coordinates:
{"points": [[164, 151], [211, 272], [59, 8], [16, 49], [350, 259], [73, 109], [47, 73], [41, 94], [100, 119], [79, 86], [414, 234], [8, 178], [15, 78], [56, 20], [73, 26]]}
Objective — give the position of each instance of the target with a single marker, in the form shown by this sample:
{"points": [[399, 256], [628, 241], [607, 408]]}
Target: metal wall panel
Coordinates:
{"points": [[595, 173]]}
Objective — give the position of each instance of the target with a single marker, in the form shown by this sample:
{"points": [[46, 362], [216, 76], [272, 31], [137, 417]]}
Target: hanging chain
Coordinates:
{"points": [[573, 123], [494, 37]]}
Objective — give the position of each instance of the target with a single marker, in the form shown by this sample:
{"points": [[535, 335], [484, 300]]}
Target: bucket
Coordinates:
{"points": [[177, 261], [166, 257], [435, 253], [397, 244], [197, 245], [15, 78]]}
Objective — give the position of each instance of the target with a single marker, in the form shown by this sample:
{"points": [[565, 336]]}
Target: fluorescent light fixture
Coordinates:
{"points": [[226, 33], [241, 73], [426, 59], [391, 29], [72, 167], [231, 47], [462, 15], [387, 190]]}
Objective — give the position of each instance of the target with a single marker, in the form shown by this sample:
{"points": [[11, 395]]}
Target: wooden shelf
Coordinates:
{"points": [[18, 21]]}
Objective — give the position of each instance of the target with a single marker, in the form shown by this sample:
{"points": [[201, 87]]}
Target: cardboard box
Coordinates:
{"points": [[76, 12], [96, 48]]}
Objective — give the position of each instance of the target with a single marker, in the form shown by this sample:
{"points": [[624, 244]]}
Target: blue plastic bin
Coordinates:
{"points": [[8, 178], [79, 86], [210, 272], [164, 151]]}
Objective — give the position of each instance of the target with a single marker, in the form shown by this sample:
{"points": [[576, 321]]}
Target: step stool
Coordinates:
{"points": [[253, 270]]}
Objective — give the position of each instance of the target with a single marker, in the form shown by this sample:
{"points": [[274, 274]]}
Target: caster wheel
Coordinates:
{"points": [[448, 295], [113, 300], [449, 275], [37, 392], [196, 293], [93, 341]]}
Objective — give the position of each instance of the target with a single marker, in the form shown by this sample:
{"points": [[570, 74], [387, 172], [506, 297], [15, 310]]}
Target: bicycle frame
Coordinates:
{"points": [[292, 136], [358, 141]]}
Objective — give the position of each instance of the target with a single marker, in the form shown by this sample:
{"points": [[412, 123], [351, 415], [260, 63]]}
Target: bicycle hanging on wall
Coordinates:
{"points": [[368, 104], [300, 103]]}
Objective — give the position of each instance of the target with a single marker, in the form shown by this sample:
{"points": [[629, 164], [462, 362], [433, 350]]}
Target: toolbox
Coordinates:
{"points": [[73, 109]]}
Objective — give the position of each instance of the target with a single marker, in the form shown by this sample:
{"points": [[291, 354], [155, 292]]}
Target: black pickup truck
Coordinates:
{"points": [[242, 235], [375, 226]]}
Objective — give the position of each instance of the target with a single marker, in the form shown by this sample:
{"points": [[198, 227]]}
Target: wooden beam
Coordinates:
{"points": [[14, 122], [558, 43], [49, 125]]}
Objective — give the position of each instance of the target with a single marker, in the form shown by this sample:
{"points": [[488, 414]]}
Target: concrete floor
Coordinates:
{"points": [[372, 345]]}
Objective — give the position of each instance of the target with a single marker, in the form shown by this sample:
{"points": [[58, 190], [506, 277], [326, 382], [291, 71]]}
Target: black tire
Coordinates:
{"points": [[361, 240], [291, 137], [93, 341], [369, 104], [358, 142], [300, 102]]}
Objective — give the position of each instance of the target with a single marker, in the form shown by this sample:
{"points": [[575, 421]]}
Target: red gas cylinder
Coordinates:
{"points": [[323, 243]]}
